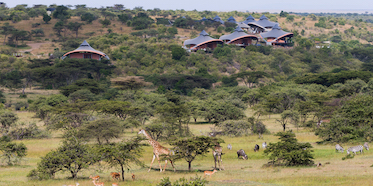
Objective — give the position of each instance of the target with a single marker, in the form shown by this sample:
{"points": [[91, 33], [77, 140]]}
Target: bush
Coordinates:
{"points": [[12, 153], [196, 181], [21, 131], [234, 127], [288, 152]]}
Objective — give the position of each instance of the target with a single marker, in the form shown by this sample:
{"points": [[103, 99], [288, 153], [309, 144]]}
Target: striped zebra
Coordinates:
{"points": [[339, 148], [355, 149], [366, 145]]}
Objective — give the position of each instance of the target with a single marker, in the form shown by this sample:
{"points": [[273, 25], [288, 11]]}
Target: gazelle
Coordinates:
{"points": [[114, 184], [98, 183], [94, 178], [209, 173], [115, 175]]}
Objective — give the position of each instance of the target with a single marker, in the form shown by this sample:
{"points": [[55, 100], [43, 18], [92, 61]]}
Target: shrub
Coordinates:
{"points": [[12, 153], [288, 152], [234, 127], [23, 131], [196, 181]]}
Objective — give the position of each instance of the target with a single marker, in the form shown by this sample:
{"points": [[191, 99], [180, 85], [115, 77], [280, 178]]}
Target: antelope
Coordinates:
{"points": [[114, 184], [133, 177], [94, 178], [98, 183], [115, 175], [209, 173]]}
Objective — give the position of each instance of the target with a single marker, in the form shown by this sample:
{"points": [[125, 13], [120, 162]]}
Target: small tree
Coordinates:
{"points": [[288, 152], [46, 18], [75, 27], [190, 148], [7, 119], [73, 155], [101, 129], [12, 153], [123, 153]]}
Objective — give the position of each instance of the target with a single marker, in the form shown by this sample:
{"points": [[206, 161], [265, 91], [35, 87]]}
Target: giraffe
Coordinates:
{"points": [[218, 151], [158, 149]]}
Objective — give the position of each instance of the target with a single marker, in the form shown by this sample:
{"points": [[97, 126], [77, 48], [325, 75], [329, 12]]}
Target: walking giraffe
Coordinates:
{"points": [[158, 149]]}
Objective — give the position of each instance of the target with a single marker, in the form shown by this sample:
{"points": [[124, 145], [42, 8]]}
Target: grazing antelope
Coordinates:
{"points": [[98, 183], [94, 178], [115, 175], [114, 184], [158, 149], [133, 177], [209, 173]]}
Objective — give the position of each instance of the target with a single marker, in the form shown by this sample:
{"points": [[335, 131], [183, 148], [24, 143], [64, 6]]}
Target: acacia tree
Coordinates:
{"points": [[75, 27], [288, 152], [6, 30], [189, 148], [123, 153], [73, 156], [11, 152]]}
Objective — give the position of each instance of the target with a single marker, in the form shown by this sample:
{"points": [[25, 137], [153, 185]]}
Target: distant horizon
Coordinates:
{"points": [[272, 6]]}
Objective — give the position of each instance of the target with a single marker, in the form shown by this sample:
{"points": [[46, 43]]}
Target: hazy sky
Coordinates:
{"points": [[219, 5]]}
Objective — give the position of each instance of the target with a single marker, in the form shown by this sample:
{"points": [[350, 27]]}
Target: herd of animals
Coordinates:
{"points": [[217, 153], [354, 149]]}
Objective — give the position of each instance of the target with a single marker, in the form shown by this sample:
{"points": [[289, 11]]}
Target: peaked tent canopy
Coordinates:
{"points": [[232, 19], [249, 19], [275, 34], [218, 19], [85, 48], [264, 22], [202, 39], [243, 25], [237, 35]]}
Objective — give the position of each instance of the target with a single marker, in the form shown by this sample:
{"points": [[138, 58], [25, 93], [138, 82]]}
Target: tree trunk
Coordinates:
{"points": [[284, 126], [190, 166], [121, 166]]}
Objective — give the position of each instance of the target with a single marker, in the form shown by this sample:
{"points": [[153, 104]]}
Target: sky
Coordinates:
{"points": [[220, 5]]}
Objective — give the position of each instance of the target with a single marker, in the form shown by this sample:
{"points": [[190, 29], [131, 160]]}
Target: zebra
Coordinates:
{"points": [[264, 145], [229, 146], [355, 149], [339, 148], [366, 145]]}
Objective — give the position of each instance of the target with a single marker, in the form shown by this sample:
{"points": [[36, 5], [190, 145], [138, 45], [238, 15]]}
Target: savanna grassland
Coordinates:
{"points": [[334, 170]]}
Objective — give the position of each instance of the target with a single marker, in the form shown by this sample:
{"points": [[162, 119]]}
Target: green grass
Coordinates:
{"points": [[334, 171]]}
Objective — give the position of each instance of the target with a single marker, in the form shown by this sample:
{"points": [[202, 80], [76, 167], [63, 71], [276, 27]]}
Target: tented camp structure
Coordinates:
{"points": [[239, 38], [218, 19], [262, 25], [203, 41], [232, 19], [277, 36], [85, 51]]}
